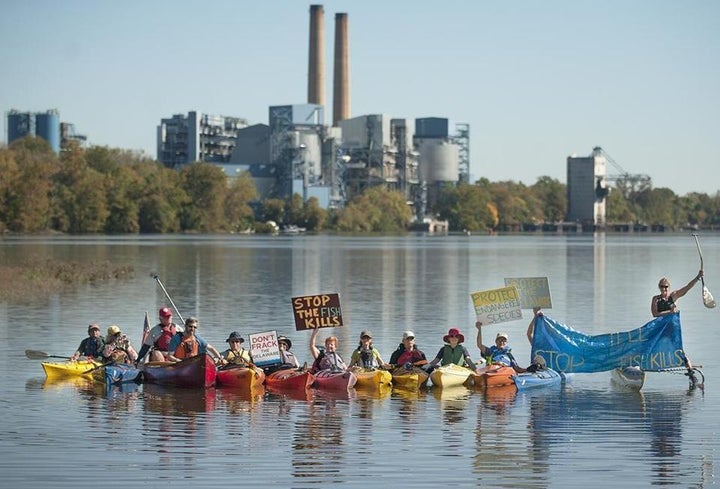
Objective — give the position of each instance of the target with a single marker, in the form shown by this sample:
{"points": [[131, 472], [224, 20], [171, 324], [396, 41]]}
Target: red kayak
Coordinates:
{"points": [[494, 375], [289, 378], [242, 377], [197, 371], [334, 381]]}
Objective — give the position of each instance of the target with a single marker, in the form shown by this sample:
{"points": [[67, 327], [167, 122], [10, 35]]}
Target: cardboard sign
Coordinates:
{"points": [[264, 348], [497, 305], [317, 311], [534, 291]]}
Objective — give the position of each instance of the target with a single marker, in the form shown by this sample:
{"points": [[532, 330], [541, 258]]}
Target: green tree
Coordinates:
{"points": [[273, 210], [29, 201], [617, 209], [238, 213], [376, 210], [316, 217], [206, 187], [552, 196]]}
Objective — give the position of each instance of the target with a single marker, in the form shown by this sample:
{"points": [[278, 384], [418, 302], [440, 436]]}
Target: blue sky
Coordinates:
{"points": [[536, 80]]}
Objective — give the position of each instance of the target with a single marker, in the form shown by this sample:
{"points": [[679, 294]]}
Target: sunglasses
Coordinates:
{"points": [[664, 286], [410, 338]]}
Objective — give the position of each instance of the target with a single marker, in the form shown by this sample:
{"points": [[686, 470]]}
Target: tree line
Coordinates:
{"points": [[114, 191]]}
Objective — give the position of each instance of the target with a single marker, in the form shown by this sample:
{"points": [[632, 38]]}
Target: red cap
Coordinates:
{"points": [[165, 313]]}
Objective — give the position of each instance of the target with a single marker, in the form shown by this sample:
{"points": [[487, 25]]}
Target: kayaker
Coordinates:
{"points": [[664, 303], [500, 353], [189, 344], [287, 357], [329, 358], [157, 341], [236, 354], [538, 362], [452, 352], [366, 355], [92, 346], [117, 347], [408, 352]]}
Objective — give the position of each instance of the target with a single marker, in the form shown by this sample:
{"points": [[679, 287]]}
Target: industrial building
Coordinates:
{"points": [[184, 139], [45, 125], [585, 189]]}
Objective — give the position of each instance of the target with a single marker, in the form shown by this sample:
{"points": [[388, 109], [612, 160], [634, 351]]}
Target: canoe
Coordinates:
{"points": [[541, 378], [412, 378], [289, 379], [372, 378], [69, 368], [197, 371], [118, 373], [334, 381], [628, 377], [492, 376], [450, 375], [241, 377]]}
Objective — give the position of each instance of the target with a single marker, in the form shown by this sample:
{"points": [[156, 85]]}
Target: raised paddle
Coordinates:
{"points": [[707, 298], [157, 279], [39, 355]]}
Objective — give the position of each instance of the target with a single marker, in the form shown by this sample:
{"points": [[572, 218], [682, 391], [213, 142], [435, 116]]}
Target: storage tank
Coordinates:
{"points": [[47, 126], [19, 125], [439, 161]]}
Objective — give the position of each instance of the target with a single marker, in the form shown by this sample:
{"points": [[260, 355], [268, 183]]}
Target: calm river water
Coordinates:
{"points": [[586, 434]]}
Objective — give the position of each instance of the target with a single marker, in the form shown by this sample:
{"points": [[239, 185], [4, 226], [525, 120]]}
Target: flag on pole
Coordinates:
{"points": [[146, 329]]}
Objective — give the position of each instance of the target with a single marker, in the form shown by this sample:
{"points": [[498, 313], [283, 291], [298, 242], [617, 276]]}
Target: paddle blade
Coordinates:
{"points": [[708, 299], [36, 355]]}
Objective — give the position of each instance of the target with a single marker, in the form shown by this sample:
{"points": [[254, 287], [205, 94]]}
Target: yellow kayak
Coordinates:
{"points": [[372, 378], [450, 375], [409, 378], [69, 368]]}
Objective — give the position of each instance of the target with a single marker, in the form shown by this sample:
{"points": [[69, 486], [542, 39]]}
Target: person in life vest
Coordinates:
{"points": [[287, 357], [117, 347], [236, 354], [452, 352], [189, 344], [407, 352], [664, 302], [329, 358], [366, 355], [92, 346], [500, 353], [157, 341]]}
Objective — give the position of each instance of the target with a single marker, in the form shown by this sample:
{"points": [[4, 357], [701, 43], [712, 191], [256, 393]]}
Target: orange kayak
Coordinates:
{"points": [[289, 378], [241, 377], [492, 376]]}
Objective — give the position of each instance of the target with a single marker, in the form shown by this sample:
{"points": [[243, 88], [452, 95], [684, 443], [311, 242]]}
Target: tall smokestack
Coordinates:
{"points": [[316, 61], [341, 81]]}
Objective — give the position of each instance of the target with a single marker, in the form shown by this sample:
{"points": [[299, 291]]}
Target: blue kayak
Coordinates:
{"points": [[117, 373], [541, 378]]}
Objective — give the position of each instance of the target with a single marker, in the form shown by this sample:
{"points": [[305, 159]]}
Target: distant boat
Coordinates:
{"points": [[292, 229]]}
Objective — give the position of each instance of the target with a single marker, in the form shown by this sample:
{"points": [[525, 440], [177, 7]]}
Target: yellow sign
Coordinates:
{"points": [[534, 291], [497, 305]]}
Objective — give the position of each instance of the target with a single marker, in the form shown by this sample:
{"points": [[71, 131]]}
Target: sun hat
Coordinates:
{"points": [[93, 326], [113, 330], [366, 333], [408, 334], [286, 340], [453, 333], [235, 336], [165, 312]]}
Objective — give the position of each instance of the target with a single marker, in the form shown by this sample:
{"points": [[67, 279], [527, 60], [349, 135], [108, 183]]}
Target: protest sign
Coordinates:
{"points": [[264, 348], [497, 305], [534, 291], [317, 311]]}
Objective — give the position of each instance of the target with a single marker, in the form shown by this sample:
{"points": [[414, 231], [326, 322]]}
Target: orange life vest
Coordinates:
{"points": [[187, 348]]}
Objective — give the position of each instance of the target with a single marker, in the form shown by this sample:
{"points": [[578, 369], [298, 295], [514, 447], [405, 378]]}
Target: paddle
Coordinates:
{"points": [[707, 298], [39, 355], [157, 279]]}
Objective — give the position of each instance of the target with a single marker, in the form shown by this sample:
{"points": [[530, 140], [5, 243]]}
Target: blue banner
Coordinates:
{"points": [[653, 347]]}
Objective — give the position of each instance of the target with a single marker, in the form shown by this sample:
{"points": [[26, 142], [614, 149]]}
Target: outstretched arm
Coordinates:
{"points": [[531, 327], [478, 340], [313, 349], [681, 292]]}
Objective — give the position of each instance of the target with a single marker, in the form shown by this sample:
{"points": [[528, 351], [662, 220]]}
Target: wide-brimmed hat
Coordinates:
{"points": [[235, 336], [286, 340], [113, 330], [164, 312], [93, 326], [454, 333]]}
